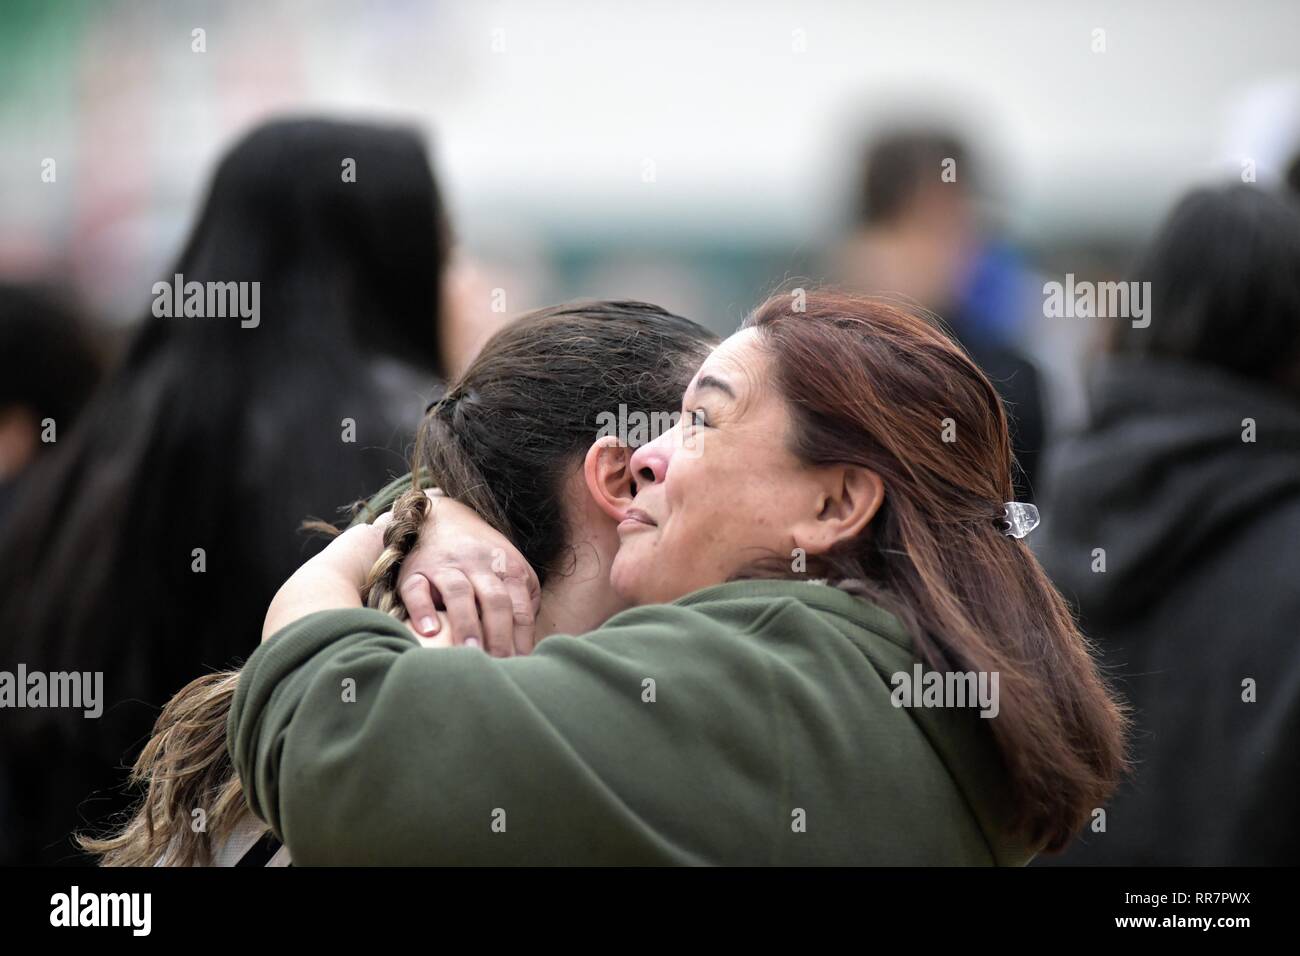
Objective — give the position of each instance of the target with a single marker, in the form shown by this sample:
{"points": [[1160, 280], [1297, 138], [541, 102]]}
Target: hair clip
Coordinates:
{"points": [[1020, 519]]}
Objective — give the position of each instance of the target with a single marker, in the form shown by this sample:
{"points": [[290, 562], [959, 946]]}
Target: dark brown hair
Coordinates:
{"points": [[1224, 274], [876, 384], [502, 439]]}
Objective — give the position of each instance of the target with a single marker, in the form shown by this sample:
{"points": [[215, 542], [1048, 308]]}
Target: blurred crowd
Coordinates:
{"points": [[1165, 458]]}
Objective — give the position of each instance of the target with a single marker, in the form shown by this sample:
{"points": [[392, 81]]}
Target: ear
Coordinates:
{"points": [[608, 476], [848, 498]]}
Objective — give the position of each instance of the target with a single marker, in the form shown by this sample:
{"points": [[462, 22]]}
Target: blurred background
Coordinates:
{"points": [[694, 155], [688, 154]]}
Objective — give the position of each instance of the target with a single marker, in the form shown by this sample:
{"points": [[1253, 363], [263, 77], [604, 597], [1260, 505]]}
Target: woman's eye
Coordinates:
{"points": [[697, 417]]}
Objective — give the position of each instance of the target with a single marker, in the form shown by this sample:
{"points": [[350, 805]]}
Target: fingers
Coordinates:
{"points": [[462, 611], [534, 590], [497, 611], [443, 639], [490, 595], [523, 572], [523, 614], [417, 597]]}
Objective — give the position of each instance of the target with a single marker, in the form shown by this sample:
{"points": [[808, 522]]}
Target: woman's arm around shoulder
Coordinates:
{"points": [[651, 741]]}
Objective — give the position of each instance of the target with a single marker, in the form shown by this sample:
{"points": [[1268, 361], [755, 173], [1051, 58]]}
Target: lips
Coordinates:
{"points": [[639, 516]]}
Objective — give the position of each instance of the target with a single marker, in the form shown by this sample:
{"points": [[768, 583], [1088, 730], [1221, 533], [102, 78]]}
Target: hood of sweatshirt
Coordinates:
{"points": [[1163, 474]]}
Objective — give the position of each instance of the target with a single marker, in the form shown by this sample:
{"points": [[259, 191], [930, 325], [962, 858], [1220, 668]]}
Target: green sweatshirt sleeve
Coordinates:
{"points": [[358, 745]]}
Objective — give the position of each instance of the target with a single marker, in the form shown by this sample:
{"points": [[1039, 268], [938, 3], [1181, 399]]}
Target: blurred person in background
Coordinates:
{"points": [[186, 481], [1173, 521], [918, 234], [48, 366]]}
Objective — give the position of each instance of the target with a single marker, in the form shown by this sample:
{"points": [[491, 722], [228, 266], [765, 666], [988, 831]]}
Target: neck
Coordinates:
{"points": [[578, 602], [582, 600]]}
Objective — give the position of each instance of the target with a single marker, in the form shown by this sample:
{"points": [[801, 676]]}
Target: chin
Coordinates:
{"points": [[627, 581]]}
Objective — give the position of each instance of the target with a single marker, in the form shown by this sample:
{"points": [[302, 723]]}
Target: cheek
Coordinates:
{"points": [[693, 483], [764, 485]]}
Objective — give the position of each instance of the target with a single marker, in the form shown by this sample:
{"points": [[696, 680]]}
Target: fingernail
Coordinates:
{"points": [[471, 642], [427, 625]]}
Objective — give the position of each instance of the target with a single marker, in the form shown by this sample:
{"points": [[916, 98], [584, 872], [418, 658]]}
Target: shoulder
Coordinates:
{"points": [[779, 611], [750, 606], [745, 635]]}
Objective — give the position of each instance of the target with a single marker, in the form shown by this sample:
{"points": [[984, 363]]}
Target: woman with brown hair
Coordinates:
{"points": [[830, 521]]}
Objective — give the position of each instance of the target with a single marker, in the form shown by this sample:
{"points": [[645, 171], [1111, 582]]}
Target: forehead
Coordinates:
{"points": [[735, 361]]}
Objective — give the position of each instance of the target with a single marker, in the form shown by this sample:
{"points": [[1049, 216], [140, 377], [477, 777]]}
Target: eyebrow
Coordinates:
{"points": [[708, 381]]}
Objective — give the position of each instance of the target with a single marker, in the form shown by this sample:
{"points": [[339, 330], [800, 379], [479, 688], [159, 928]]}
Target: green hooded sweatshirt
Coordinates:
{"points": [[747, 723]]}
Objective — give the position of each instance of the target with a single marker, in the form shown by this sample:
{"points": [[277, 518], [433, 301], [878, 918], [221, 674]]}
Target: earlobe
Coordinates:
{"points": [[609, 477]]}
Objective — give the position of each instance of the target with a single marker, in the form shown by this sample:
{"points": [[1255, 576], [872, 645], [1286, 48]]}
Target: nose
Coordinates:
{"points": [[649, 463]]}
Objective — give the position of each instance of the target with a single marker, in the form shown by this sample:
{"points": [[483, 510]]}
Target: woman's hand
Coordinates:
{"points": [[490, 594], [441, 639]]}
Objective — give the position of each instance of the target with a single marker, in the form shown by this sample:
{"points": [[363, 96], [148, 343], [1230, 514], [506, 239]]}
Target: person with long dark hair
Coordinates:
{"points": [[1176, 529], [185, 483], [840, 650]]}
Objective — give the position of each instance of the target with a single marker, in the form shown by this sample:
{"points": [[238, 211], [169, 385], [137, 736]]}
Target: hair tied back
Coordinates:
{"points": [[1020, 518]]}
